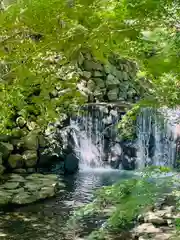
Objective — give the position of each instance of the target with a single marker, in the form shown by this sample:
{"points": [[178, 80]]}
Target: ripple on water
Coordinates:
{"points": [[47, 219]]}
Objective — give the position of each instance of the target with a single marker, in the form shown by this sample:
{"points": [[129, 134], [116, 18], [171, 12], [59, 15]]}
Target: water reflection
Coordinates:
{"points": [[47, 220]]}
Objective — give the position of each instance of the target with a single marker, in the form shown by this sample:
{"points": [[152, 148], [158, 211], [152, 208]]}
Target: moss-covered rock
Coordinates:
{"points": [[15, 161], [31, 141], [6, 149], [30, 158], [28, 189]]}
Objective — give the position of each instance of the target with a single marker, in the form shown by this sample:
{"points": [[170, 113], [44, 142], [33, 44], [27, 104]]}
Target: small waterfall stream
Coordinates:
{"points": [[89, 130], [96, 141], [156, 137]]}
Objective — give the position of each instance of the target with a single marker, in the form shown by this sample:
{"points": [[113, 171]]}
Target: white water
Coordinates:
{"points": [[156, 137], [88, 134], [161, 125]]}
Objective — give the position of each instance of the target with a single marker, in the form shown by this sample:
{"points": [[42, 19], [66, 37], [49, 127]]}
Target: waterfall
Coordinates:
{"points": [[156, 137], [88, 131]]}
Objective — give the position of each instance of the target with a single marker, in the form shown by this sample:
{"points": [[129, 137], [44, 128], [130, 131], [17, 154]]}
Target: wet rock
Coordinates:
{"points": [[128, 163], [30, 158], [71, 163], [15, 161]]}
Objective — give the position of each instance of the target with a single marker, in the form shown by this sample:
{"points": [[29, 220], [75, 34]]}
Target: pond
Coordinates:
{"points": [[47, 220]]}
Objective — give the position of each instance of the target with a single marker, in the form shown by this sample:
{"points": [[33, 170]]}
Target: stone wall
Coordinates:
{"points": [[108, 82], [113, 81]]}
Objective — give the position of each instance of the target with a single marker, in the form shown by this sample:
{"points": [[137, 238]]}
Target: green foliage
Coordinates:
{"points": [[31, 31], [124, 202], [127, 125]]}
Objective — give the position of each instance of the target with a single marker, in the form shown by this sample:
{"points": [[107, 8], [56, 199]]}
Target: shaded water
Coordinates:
{"points": [[47, 220]]}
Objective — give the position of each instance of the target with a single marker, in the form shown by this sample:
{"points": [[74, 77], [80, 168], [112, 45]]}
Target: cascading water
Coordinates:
{"points": [[156, 133], [88, 132]]}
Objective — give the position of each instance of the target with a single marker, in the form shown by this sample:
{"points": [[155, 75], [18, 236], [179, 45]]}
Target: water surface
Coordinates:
{"points": [[47, 220]]}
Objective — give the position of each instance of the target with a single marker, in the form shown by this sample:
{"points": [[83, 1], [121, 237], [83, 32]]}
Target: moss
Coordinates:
{"points": [[127, 125]]}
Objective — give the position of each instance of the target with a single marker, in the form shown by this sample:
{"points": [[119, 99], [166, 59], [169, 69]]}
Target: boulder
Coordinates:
{"points": [[15, 161], [21, 122], [71, 163], [31, 141], [6, 149], [30, 158]]}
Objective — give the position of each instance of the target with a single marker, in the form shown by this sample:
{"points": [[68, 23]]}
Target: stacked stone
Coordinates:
{"points": [[109, 82], [19, 152], [18, 189]]}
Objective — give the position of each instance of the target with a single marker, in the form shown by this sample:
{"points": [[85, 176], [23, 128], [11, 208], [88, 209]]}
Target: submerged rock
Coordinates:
{"points": [[71, 163]]}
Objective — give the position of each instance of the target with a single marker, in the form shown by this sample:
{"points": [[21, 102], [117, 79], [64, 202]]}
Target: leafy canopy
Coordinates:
{"points": [[146, 31]]}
